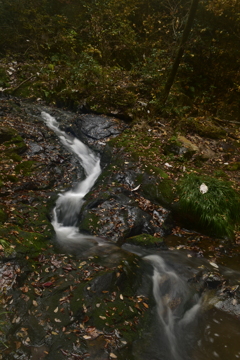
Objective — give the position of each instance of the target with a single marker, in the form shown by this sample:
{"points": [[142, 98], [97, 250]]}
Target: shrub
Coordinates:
{"points": [[217, 210]]}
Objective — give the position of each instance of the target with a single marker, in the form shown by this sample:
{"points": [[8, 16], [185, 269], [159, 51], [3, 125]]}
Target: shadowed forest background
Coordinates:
{"points": [[115, 56]]}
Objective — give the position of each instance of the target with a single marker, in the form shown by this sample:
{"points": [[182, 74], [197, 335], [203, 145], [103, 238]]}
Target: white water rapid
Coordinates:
{"points": [[176, 306], [69, 204]]}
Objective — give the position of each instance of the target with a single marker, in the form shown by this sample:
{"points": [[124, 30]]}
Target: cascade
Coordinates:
{"points": [[174, 333], [68, 205]]}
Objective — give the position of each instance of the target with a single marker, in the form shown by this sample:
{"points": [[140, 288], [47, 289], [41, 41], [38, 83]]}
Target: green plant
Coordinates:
{"points": [[216, 210]]}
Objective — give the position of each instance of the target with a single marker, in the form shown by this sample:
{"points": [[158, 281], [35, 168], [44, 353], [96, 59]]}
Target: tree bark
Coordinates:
{"points": [[180, 51]]}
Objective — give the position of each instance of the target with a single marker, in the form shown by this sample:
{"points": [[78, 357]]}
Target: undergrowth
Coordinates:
{"points": [[216, 210]]}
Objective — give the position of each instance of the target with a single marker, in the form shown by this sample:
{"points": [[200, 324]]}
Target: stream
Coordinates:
{"points": [[184, 322]]}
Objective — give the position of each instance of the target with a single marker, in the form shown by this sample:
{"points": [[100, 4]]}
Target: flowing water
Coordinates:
{"points": [[183, 326], [68, 205]]}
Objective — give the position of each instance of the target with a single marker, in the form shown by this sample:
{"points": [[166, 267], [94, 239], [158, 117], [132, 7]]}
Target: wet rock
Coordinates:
{"points": [[213, 280], [95, 130], [205, 154], [99, 127], [181, 146], [230, 305], [35, 148], [117, 217], [187, 144]]}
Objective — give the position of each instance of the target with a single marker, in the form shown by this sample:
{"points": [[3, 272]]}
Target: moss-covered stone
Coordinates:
{"points": [[215, 207], [7, 134], [3, 216], [160, 191], [203, 126], [16, 144], [145, 240], [90, 223]]}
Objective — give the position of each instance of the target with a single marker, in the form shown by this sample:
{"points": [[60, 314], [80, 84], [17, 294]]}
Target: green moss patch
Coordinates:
{"points": [[7, 134], [3, 216], [25, 167], [90, 223], [145, 240], [16, 144], [203, 126], [233, 166], [216, 209]]}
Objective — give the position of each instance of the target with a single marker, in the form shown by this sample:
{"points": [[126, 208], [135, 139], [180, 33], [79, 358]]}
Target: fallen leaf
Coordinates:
{"points": [[203, 188], [168, 165], [214, 265], [18, 344], [136, 188], [234, 302], [113, 356]]}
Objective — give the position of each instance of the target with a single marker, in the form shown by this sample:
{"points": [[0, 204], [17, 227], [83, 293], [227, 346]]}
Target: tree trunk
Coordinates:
{"points": [[180, 51]]}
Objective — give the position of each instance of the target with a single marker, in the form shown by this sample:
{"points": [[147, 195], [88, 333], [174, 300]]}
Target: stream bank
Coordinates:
{"points": [[91, 307]]}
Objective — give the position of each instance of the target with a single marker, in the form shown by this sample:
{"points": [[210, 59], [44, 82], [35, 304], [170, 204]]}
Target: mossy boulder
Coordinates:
{"points": [[12, 141], [210, 204], [180, 145], [16, 144], [115, 217], [203, 126]]}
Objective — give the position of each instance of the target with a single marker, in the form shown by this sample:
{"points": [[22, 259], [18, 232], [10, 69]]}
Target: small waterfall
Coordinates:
{"points": [[68, 205], [176, 306]]}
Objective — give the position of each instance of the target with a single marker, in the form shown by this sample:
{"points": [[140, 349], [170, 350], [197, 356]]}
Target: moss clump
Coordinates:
{"points": [[145, 240], [12, 178], [3, 216], [217, 210], [6, 246], [7, 134], [154, 170], [221, 174], [4, 78], [90, 223], [16, 145], [233, 167], [25, 167], [32, 240], [15, 157], [202, 126], [160, 191]]}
